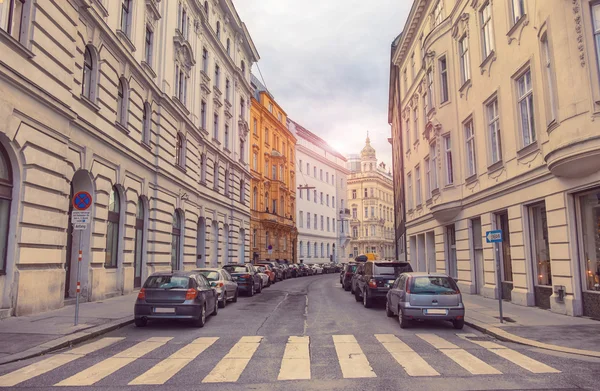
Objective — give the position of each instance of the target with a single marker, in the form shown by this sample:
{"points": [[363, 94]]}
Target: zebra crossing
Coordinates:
{"points": [[294, 364]]}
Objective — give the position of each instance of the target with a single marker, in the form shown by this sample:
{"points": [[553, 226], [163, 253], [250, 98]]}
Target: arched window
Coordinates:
{"points": [[267, 201], [146, 121], [112, 230], [122, 102], [139, 244], [206, 7], [255, 198], [242, 191], [6, 187], [218, 29], [88, 88], [176, 241], [243, 66], [203, 168], [179, 151], [228, 46]]}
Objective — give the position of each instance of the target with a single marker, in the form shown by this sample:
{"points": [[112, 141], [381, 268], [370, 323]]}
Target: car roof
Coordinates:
{"points": [[207, 269], [174, 273], [425, 274]]}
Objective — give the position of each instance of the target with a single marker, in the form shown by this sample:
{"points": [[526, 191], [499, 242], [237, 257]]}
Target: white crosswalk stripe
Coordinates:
{"points": [[295, 363], [460, 356], [233, 364]]}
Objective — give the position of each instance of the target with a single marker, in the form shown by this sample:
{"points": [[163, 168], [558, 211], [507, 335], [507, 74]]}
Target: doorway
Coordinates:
{"points": [[201, 243], [505, 255], [540, 256], [479, 274]]}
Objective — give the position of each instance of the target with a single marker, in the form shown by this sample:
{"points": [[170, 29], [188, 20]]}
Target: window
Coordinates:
{"points": [[443, 79], [372, 192], [216, 127], [328, 226], [112, 230], [322, 251], [146, 123], [314, 172], [373, 212], [416, 124], [226, 136], [206, 7], [205, 60], [494, 131], [487, 33], [255, 161], [438, 13], [308, 220], [203, 168], [6, 187], [327, 198], [315, 196], [315, 221], [434, 171], [88, 86], [412, 66], [372, 230], [353, 194], [216, 175], [243, 68], [366, 212], [274, 204], [407, 133], [429, 96], [448, 160], [203, 115], [427, 178], [180, 151], [451, 251], [217, 76], [470, 145], [148, 46], [333, 202], [596, 31], [227, 89], [327, 177], [242, 191], [176, 241], [126, 17], [180, 84], [315, 248], [463, 52], [409, 188], [526, 108], [518, 10], [307, 194], [355, 232], [589, 210], [228, 46], [266, 135], [218, 29], [279, 117], [549, 73], [14, 18], [418, 185], [301, 219], [354, 213], [321, 198], [366, 192], [242, 108], [540, 245], [255, 198]]}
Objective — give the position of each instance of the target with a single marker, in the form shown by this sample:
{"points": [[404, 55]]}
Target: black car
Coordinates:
{"points": [[373, 279], [177, 295], [246, 276], [276, 268], [346, 275]]}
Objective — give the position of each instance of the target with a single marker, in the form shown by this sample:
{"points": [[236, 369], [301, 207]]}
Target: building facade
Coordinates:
{"points": [[371, 204], [141, 104], [494, 107], [318, 167], [273, 183]]}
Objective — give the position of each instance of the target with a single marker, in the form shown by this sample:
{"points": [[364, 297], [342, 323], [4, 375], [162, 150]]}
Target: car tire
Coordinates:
{"points": [[260, 286], [356, 295], [251, 291], [351, 288], [201, 321], [347, 287], [458, 324], [367, 302], [388, 311], [141, 322], [235, 297], [223, 301], [402, 320], [216, 310]]}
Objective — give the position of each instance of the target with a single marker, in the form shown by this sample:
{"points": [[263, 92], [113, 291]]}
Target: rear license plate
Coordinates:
{"points": [[436, 311], [164, 310]]}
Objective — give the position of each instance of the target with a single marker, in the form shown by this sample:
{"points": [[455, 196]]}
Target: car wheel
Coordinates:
{"points": [[141, 322], [260, 286], [388, 311], [347, 287], [223, 301], [366, 300], [216, 310], [201, 321], [402, 320], [458, 323], [251, 291], [351, 288], [356, 295], [235, 296]]}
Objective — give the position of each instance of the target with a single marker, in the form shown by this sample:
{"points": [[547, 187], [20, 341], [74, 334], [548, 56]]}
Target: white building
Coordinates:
{"points": [[318, 170], [143, 104]]}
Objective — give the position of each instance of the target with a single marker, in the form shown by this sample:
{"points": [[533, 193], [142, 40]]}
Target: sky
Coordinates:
{"points": [[327, 64]]}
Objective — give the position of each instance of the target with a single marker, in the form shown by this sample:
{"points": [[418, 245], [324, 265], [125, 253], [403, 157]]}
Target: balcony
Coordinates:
{"points": [[574, 159], [345, 212], [273, 219], [446, 211]]}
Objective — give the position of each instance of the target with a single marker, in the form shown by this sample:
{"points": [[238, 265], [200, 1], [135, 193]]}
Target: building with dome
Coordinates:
{"points": [[371, 204]]}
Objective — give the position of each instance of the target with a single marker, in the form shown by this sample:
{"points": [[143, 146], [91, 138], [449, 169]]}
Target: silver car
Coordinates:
{"points": [[420, 296], [221, 280]]}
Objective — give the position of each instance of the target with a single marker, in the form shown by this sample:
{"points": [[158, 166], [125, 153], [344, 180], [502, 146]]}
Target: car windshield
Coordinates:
{"points": [[167, 282], [211, 275], [352, 268], [391, 269], [235, 269], [261, 269], [433, 286]]}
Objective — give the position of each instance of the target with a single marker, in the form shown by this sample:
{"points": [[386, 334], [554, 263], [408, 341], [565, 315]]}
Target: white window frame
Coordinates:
{"points": [[487, 30], [596, 33], [438, 13], [416, 123], [149, 46], [444, 87], [427, 165], [517, 10], [470, 154], [525, 107], [126, 17], [433, 161], [494, 135], [430, 91], [549, 71], [418, 188], [409, 191], [463, 53]]}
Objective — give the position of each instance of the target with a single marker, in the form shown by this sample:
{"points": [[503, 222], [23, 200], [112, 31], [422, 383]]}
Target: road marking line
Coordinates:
{"points": [[167, 368], [460, 356], [353, 362], [53, 362], [411, 361], [513, 356], [295, 364], [230, 368], [110, 365]]}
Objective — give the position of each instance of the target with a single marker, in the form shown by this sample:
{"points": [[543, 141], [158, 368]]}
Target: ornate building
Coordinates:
{"points": [[273, 184], [494, 107], [371, 204], [142, 104]]}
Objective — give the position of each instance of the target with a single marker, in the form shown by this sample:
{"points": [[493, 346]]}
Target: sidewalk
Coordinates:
{"points": [[29, 336], [534, 326]]}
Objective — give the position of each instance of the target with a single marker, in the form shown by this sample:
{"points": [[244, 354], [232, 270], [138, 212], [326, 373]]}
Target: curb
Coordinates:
{"points": [[508, 337], [66, 341]]}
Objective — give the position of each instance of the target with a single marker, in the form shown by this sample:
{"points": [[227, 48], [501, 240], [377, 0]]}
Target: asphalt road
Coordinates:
{"points": [[339, 345]]}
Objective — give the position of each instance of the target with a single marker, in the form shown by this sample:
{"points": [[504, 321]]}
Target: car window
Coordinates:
{"points": [[433, 285], [167, 282], [352, 268], [235, 269], [225, 275], [262, 269], [392, 268], [211, 275]]}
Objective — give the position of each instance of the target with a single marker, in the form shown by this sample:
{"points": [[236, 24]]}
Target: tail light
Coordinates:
{"points": [[407, 289], [348, 274], [142, 294], [372, 283], [216, 284], [191, 294], [246, 276]]}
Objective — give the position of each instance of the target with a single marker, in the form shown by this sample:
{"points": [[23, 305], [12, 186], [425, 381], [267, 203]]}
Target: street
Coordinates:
{"points": [[338, 344]]}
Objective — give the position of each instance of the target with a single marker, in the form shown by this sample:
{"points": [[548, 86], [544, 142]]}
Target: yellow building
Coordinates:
{"points": [[273, 183]]}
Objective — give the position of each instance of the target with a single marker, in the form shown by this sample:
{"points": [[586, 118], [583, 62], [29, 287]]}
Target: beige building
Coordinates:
{"points": [[142, 104], [494, 106], [371, 204]]}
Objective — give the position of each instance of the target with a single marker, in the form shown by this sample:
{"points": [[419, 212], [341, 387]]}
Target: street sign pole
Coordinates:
{"points": [[80, 218], [79, 258], [496, 238]]}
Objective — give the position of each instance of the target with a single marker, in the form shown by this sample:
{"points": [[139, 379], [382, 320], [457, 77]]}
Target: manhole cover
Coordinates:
{"points": [[506, 319]]}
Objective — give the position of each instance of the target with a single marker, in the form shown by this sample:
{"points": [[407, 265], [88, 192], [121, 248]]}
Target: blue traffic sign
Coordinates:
{"points": [[494, 236], [82, 200]]}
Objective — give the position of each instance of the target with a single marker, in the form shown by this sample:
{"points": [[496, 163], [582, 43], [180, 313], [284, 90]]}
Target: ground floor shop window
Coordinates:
{"points": [[590, 234], [540, 255], [451, 251]]}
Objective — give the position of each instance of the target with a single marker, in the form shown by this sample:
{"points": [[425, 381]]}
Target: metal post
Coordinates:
{"points": [[499, 280], [79, 258]]}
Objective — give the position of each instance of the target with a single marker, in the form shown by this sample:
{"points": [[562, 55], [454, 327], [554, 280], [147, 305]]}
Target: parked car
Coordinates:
{"points": [[373, 279], [176, 295], [317, 268], [268, 271], [303, 269], [265, 277], [294, 268], [287, 273], [420, 296], [246, 277], [221, 280], [276, 268], [346, 275]]}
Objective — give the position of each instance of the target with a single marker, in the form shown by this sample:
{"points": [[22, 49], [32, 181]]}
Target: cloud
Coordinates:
{"points": [[327, 64]]}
